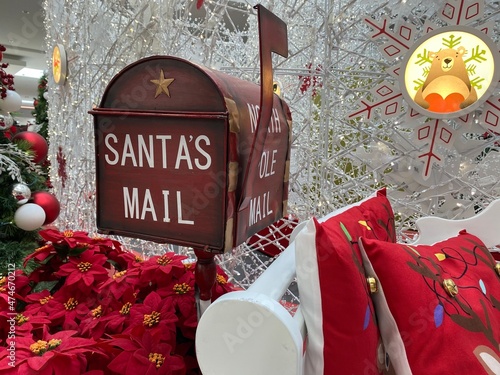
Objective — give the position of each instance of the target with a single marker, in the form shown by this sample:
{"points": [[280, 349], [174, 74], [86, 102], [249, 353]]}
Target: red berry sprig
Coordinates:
{"points": [[6, 80]]}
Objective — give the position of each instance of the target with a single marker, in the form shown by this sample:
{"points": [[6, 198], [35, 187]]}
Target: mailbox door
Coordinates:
{"points": [[264, 198], [162, 177]]}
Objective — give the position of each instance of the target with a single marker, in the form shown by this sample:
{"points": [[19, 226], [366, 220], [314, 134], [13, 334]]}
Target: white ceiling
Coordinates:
{"points": [[22, 32]]}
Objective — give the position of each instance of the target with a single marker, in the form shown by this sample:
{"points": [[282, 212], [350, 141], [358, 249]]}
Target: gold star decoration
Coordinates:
{"points": [[162, 84]]}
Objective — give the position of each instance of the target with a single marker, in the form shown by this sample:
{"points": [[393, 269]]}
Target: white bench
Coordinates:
{"points": [[251, 333]]}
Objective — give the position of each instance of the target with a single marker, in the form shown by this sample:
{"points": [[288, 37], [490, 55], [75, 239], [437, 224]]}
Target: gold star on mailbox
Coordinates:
{"points": [[162, 84]]}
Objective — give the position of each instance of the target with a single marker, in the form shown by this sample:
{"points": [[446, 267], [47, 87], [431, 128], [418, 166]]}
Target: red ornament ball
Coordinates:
{"points": [[38, 144], [49, 203]]}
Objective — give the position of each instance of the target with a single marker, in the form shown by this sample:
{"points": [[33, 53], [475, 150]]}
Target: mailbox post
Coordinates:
{"points": [[192, 156]]}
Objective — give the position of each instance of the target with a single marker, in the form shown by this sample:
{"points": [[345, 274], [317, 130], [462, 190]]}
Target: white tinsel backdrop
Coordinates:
{"points": [[333, 63]]}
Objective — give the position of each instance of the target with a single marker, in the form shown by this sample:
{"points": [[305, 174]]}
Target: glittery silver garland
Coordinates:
{"points": [[332, 63]]}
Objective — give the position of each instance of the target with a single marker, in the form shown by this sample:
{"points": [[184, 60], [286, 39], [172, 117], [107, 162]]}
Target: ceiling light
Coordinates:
{"points": [[29, 72]]}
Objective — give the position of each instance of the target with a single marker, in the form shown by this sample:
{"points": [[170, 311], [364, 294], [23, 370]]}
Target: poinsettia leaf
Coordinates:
{"points": [[66, 269], [61, 249], [30, 267], [77, 251], [120, 363], [153, 299], [124, 343], [113, 263], [38, 362], [45, 285], [64, 365], [47, 260]]}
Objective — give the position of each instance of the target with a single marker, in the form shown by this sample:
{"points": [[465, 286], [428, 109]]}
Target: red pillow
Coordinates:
{"points": [[343, 337], [438, 305]]}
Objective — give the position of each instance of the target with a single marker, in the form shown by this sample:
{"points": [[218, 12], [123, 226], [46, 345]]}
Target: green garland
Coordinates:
{"points": [[41, 106]]}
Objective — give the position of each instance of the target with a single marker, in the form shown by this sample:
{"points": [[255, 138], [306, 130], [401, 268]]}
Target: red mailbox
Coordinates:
{"points": [[173, 142], [192, 156]]}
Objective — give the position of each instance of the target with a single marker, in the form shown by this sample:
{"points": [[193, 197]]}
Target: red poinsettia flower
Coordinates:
{"points": [[128, 259], [222, 284], [67, 307], [111, 248], [118, 320], [25, 324], [180, 293], [36, 302], [145, 355], [105, 242], [159, 270], [68, 237], [108, 246], [110, 315], [41, 253], [155, 315], [45, 269], [94, 325], [107, 299], [121, 282], [60, 353], [87, 268]]}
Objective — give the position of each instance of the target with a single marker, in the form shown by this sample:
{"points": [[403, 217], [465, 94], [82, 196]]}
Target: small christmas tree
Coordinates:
{"points": [[19, 175]]}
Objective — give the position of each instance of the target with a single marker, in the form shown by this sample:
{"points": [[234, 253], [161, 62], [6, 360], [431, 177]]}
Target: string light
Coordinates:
{"points": [[326, 171]]}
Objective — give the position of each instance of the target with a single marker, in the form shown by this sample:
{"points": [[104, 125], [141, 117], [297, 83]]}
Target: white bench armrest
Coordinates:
{"points": [[250, 332]]}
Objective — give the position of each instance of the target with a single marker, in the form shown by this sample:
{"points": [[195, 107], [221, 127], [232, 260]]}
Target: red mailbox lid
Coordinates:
{"points": [[178, 85]]}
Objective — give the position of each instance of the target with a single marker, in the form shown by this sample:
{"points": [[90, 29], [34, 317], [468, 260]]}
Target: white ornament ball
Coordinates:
{"points": [[12, 102], [46, 95], [29, 216], [21, 193]]}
